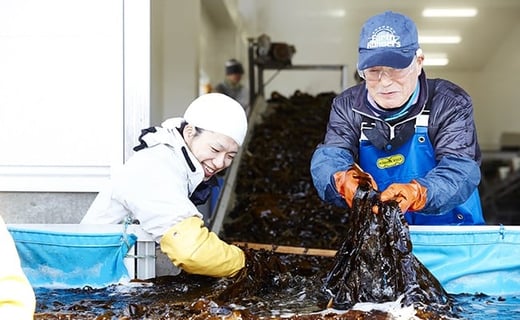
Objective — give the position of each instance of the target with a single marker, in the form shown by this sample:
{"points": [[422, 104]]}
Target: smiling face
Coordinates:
{"points": [[215, 151], [392, 92]]}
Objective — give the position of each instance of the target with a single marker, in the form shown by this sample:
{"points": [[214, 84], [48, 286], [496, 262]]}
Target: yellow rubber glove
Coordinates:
{"points": [[348, 181], [17, 299], [410, 196], [192, 247]]}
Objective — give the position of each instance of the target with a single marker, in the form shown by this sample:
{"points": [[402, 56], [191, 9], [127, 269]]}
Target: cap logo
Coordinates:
{"points": [[384, 36]]}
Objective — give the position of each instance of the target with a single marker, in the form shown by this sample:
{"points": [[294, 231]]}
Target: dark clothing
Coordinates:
{"points": [[237, 92], [451, 130]]}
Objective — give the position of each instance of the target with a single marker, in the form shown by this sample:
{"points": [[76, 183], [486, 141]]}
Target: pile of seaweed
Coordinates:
{"points": [[275, 199]]}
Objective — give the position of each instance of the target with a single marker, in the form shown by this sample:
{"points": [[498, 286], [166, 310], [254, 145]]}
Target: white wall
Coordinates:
{"points": [[497, 98], [70, 99], [221, 39], [61, 107], [216, 46], [175, 57], [494, 90]]}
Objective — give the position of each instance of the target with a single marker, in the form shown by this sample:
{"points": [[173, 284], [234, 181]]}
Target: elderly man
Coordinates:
{"points": [[415, 136]]}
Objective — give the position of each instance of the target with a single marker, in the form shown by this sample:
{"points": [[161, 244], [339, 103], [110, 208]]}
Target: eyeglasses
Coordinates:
{"points": [[375, 74]]}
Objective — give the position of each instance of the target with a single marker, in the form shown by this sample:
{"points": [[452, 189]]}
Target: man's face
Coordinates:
{"points": [[390, 87], [234, 78], [215, 151]]}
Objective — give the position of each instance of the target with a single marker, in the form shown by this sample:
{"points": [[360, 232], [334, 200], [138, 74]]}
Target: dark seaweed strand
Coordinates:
{"points": [[375, 262]]}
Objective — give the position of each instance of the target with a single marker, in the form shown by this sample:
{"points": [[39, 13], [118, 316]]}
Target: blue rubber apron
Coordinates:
{"points": [[413, 160]]}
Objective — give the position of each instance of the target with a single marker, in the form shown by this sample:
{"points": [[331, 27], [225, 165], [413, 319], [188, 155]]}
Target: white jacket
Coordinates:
{"points": [[153, 186]]}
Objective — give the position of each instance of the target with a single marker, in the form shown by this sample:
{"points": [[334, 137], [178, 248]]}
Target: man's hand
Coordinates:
{"points": [[348, 181], [410, 196]]}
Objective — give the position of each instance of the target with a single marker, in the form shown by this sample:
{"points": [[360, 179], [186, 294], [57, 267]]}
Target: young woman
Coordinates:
{"points": [[161, 184]]}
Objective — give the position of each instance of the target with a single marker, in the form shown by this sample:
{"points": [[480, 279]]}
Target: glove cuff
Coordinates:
{"points": [[421, 196], [346, 185]]}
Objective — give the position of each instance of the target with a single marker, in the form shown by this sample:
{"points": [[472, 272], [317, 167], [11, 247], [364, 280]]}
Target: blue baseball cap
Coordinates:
{"points": [[388, 39]]}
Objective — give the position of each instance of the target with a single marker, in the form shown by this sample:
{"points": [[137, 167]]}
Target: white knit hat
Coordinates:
{"points": [[219, 113]]}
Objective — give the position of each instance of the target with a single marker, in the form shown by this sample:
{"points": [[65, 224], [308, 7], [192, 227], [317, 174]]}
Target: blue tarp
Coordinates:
{"points": [[471, 259], [71, 260]]}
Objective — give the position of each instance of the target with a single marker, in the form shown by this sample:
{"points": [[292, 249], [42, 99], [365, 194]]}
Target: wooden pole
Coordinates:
{"points": [[287, 249]]}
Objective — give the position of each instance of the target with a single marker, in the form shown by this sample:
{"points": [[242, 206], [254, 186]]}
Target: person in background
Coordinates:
{"points": [[232, 86], [17, 299], [170, 174], [415, 136]]}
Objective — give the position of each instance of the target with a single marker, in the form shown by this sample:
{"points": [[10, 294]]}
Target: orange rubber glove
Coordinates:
{"points": [[410, 196], [348, 181]]}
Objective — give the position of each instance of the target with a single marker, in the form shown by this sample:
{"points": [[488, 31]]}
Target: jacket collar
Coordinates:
{"points": [[169, 135]]}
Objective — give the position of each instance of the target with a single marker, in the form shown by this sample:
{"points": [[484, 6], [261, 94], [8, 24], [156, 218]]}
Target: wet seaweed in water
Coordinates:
{"points": [[264, 272], [375, 262]]}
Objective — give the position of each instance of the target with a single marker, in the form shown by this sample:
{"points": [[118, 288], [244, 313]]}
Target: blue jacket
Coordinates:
{"points": [[451, 129]]}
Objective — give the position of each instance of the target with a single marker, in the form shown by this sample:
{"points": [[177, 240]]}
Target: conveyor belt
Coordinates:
{"points": [[226, 194]]}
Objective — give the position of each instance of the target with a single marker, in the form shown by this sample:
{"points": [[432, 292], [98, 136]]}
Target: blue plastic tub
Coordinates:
{"points": [[471, 259], [71, 259]]}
